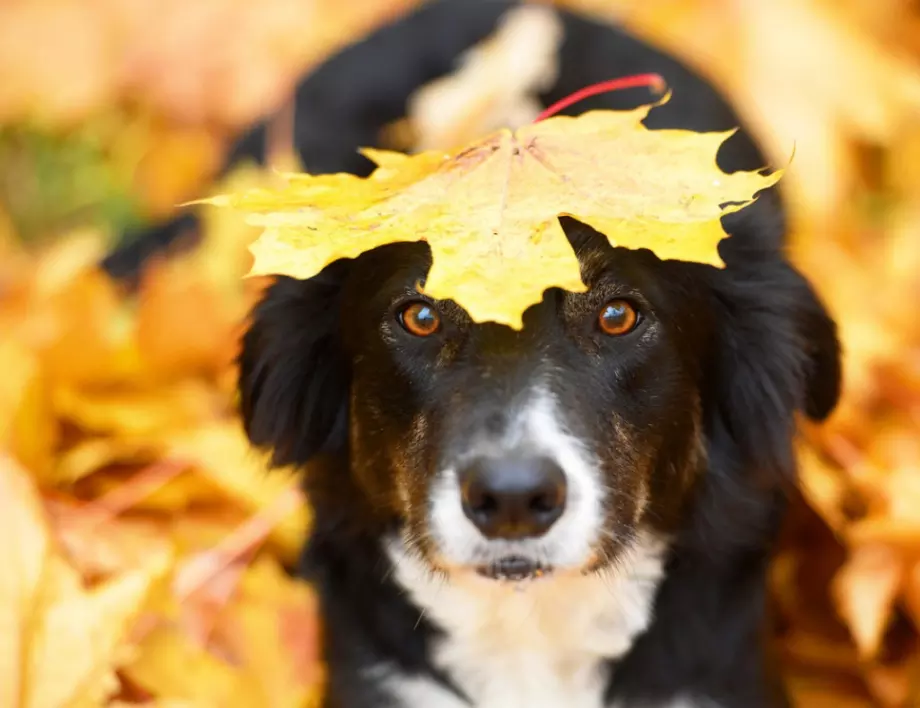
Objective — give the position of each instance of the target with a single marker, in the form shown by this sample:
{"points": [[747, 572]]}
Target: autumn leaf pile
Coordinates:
{"points": [[144, 543], [119, 109]]}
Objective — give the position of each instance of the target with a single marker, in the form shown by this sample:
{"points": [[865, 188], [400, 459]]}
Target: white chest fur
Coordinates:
{"points": [[538, 645]]}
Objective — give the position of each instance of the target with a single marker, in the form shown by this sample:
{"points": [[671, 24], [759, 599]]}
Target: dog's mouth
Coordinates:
{"points": [[514, 568]]}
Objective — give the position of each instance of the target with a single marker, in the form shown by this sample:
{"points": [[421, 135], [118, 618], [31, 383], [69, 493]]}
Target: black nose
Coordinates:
{"points": [[513, 497]]}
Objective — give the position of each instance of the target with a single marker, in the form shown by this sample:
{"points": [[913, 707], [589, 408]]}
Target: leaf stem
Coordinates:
{"points": [[653, 81]]}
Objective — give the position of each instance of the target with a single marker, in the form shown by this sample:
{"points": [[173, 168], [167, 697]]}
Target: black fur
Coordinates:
{"points": [[751, 343]]}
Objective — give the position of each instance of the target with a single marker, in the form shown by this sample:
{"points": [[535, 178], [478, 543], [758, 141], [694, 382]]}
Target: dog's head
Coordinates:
{"points": [[516, 453]]}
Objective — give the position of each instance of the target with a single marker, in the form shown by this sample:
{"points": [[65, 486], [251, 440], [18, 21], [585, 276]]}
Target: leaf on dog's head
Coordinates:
{"points": [[489, 212]]}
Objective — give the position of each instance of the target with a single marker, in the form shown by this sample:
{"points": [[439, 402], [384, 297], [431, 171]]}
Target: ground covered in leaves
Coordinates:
{"points": [[145, 545]]}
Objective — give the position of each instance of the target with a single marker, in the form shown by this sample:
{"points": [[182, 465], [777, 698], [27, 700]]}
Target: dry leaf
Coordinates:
{"points": [[60, 642], [78, 634], [865, 590], [272, 628], [100, 546], [171, 666], [489, 211], [93, 454], [222, 455], [27, 427], [24, 565], [144, 411], [823, 486], [90, 336], [184, 324]]}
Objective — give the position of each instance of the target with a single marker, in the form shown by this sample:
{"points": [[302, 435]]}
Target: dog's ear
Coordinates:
{"points": [[294, 378], [776, 353]]}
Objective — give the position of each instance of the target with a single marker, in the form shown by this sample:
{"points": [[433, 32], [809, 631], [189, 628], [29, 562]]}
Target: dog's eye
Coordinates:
{"points": [[420, 319], [617, 317]]}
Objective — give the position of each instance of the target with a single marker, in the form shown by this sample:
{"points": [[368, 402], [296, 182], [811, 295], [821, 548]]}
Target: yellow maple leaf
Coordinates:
{"points": [[272, 629], [220, 453], [489, 211], [172, 666], [28, 429], [60, 643]]}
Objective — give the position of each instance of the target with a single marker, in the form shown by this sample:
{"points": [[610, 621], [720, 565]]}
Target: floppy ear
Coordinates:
{"points": [[775, 353], [294, 378]]}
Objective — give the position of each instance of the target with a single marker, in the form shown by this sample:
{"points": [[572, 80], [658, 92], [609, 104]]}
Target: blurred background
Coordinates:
{"points": [[144, 542]]}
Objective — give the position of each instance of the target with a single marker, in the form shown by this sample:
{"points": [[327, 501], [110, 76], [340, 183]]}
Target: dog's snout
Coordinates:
{"points": [[514, 497]]}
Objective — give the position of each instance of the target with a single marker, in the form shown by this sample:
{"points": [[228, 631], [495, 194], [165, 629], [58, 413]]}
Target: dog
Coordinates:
{"points": [[579, 514]]}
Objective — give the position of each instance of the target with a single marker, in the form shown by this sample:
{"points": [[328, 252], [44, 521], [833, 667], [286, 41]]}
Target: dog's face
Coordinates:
{"points": [[520, 453]]}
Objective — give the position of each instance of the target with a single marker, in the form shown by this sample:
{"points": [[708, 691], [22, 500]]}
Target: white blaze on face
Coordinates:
{"points": [[537, 428]]}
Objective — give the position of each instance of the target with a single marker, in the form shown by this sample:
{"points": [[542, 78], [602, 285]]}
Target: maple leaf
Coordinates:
{"points": [[490, 211], [29, 431], [60, 641]]}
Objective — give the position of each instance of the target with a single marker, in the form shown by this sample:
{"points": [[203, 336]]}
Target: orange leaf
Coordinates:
{"points": [[184, 323]]}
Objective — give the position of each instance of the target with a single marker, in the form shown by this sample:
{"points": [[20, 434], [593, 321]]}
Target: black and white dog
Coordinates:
{"points": [[579, 514]]}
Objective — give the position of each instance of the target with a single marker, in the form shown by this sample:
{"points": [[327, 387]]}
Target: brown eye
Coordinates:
{"points": [[420, 319], [617, 317]]}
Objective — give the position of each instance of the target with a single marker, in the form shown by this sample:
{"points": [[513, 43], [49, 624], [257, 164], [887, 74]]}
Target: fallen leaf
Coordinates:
{"points": [[902, 534], [78, 634], [172, 666], [865, 590], [221, 453], [243, 541], [823, 486], [23, 558], [27, 427], [489, 211], [100, 548], [133, 491], [184, 324], [144, 411], [272, 628], [91, 455], [60, 642], [88, 333], [174, 166]]}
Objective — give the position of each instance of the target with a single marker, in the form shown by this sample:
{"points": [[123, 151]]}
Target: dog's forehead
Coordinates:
{"points": [[397, 270]]}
